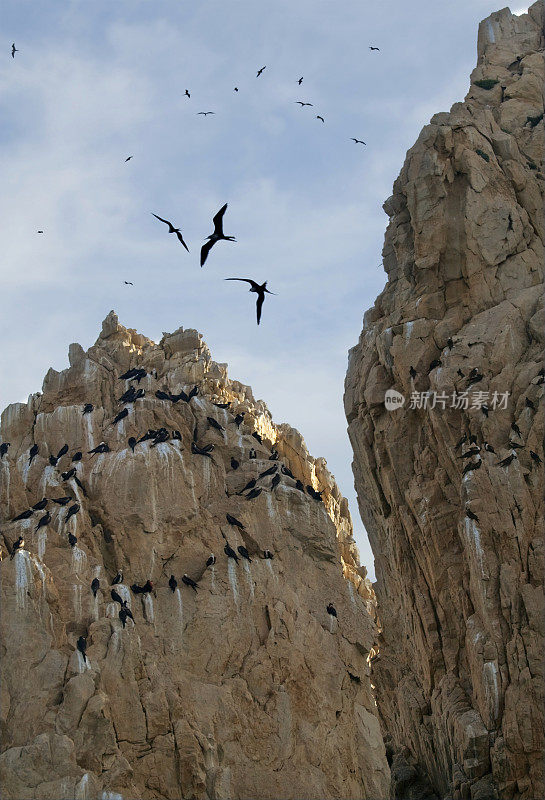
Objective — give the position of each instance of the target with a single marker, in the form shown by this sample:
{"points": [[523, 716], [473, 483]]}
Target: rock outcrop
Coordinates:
{"points": [[243, 688], [459, 550]]}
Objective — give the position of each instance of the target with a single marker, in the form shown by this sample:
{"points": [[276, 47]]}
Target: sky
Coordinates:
{"points": [[94, 83]]}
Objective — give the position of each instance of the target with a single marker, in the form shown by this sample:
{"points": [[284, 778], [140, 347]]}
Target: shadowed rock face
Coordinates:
{"points": [[459, 676], [246, 688]]}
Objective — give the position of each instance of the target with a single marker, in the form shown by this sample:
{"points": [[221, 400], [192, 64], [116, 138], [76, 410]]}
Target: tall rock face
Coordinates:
{"points": [[459, 549], [245, 687]]}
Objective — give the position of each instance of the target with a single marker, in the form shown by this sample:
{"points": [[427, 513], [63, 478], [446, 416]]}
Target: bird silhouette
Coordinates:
{"points": [[202, 451], [259, 71], [300, 81], [358, 141], [205, 113], [516, 429], [249, 485], [186, 93], [374, 48], [275, 481], [215, 424], [472, 465], [13, 50], [269, 471], [239, 419], [267, 554], [172, 229], [128, 159], [235, 89], [128, 283], [300, 102], [535, 457], [258, 438], [217, 236], [319, 117], [259, 289], [412, 372]]}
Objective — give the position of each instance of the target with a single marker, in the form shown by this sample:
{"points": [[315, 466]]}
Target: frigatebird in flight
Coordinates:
{"points": [[259, 289], [319, 117], [205, 113], [172, 229], [216, 236], [259, 71], [358, 141], [303, 104]]}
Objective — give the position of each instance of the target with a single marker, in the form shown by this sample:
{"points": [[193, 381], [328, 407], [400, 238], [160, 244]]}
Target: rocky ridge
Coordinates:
{"points": [[459, 549], [244, 688]]}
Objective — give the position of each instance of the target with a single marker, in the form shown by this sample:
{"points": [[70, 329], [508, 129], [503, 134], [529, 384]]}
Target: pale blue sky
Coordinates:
{"points": [[94, 82]]}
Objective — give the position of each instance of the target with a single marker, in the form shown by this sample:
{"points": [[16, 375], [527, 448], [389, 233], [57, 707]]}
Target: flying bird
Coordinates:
{"points": [[172, 229], [259, 289], [128, 159], [374, 48], [128, 283], [300, 81], [205, 113], [13, 50], [235, 89], [216, 236], [259, 71], [358, 141], [300, 102], [319, 117], [186, 93], [39, 231]]}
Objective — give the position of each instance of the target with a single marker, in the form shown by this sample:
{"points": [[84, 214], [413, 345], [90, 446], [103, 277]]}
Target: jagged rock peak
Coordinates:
{"points": [[244, 685], [450, 483]]}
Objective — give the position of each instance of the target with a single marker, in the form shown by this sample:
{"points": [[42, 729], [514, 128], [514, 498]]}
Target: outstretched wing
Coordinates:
{"points": [[170, 225], [205, 249], [258, 306], [253, 284], [181, 240], [218, 220]]}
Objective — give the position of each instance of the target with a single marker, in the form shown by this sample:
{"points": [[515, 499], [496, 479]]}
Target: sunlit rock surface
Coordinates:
{"points": [[246, 688], [459, 675]]}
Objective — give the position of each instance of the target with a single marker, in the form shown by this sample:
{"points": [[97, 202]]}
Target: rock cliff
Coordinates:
{"points": [[245, 687], [459, 549]]}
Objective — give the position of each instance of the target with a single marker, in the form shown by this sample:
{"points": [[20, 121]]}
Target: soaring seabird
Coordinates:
{"points": [[300, 81], [173, 583], [259, 71], [300, 102], [172, 229], [374, 48], [205, 113], [32, 453], [216, 236], [95, 586], [13, 50], [358, 141], [82, 646], [189, 582], [43, 521], [186, 93], [127, 159], [320, 118]]}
